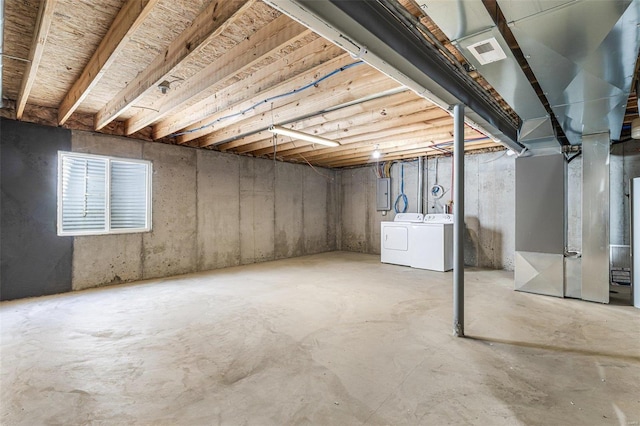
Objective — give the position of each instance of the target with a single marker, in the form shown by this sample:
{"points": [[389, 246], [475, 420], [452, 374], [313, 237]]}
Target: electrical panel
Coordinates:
{"points": [[383, 194]]}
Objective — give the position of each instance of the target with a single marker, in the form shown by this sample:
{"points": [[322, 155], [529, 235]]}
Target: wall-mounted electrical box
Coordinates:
{"points": [[383, 194]]}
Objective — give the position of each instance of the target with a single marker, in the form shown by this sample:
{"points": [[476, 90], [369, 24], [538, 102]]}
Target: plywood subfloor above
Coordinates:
{"points": [[230, 69]]}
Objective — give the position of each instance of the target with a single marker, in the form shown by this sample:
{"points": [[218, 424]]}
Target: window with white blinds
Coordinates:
{"points": [[102, 195]]}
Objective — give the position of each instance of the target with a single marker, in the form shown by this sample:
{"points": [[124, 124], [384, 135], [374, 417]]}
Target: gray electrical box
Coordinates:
{"points": [[383, 194]]}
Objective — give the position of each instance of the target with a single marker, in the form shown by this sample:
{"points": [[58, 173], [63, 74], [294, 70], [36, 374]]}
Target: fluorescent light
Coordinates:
{"points": [[279, 130]]}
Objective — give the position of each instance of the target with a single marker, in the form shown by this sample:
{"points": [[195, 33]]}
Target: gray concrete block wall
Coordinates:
{"points": [[319, 209], [210, 210], [289, 215], [438, 172], [489, 205], [257, 215], [353, 218], [496, 211], [218, 210], [171, 247], [472, 196], [106, 259]]}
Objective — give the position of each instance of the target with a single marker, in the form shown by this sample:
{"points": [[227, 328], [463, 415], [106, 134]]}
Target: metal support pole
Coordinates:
{"points": [[420, 182], [458, 221]]}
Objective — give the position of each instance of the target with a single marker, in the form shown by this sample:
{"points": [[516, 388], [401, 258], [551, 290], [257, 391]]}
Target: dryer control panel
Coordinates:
{"points": [[438, 218]]}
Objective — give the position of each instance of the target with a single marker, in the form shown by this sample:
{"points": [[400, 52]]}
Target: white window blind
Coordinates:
{"points": [[102, 195]]}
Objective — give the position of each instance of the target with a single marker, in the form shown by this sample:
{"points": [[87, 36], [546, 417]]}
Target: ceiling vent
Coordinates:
{"points": [[487, 51]]}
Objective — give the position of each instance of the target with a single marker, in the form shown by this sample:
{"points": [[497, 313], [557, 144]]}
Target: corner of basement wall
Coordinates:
{"points": [[489, 201]]}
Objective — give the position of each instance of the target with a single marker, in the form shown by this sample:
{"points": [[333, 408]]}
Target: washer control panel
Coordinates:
{"points": [[409, 217], [438, 218]]}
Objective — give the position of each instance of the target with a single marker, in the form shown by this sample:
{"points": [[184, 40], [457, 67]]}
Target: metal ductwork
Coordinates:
{"points": [[371, 31], [474, 32], [583, 54]]}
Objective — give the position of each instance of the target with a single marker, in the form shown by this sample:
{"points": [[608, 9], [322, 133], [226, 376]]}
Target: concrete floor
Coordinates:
{"points": [[331, 339]]}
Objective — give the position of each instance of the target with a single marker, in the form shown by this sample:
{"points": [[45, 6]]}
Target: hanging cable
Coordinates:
{"points": [[272, 98], [402, 197]]}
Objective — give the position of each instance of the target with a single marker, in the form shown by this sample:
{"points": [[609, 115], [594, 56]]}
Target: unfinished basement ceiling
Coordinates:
{"points": [[231, 70], [217, 74]]}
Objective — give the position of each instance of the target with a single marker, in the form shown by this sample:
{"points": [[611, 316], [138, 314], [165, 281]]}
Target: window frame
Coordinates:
{"points": [[108, 230]]}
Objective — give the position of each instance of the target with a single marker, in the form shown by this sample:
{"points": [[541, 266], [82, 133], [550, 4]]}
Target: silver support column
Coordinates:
{"points": [[595, 217], [420, 182], [458, 224]]}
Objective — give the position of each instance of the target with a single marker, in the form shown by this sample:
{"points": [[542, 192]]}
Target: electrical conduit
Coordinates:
{"points": [[402, 197]]}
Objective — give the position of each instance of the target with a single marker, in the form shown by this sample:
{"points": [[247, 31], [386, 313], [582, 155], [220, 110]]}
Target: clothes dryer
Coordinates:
{"points": [[395, 238]]}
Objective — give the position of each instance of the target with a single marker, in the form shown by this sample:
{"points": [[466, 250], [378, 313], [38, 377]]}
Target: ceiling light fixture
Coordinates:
{"points": [[279, 130], [164, 87], [376, 153]]}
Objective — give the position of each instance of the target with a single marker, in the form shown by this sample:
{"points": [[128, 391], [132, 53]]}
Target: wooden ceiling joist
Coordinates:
{"points": [[43, 23], [328, 124], [202, 127], [215, 18], [406, 154], [288, 66], [354, 131], [349, 85], [236, 67], [265, 42], [407, 140], [128, 20]]}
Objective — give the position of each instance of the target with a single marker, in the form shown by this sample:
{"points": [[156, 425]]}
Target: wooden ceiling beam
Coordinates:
{"points": [[300, 147], [364, 132], [407, 154], [288, 66], [343, 125], [350, 85], [401, 141], [265, 42], [362, 136], [201, 128], [43, 24], [215, 18], [128, 20], [330, 121]]}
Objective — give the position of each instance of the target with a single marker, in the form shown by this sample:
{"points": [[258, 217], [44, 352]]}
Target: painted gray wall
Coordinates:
{"points": [[489, 205], [34, 260], [210, 210]]}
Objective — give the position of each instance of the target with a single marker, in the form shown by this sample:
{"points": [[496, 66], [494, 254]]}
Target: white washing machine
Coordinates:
{"points": [[431, 243], [395, 236]]}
